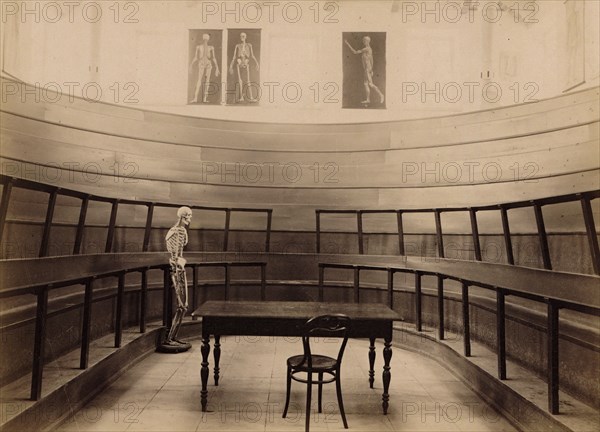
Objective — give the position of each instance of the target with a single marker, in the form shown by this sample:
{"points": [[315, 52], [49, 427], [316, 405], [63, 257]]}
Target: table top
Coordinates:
{"points": [[295, 310]]}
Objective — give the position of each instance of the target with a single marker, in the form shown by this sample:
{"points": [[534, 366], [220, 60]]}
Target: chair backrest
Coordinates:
{"points": [[336, 325]]}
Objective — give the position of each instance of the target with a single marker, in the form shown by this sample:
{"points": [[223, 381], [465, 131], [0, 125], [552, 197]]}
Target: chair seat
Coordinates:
{"points": [[319, 363]]}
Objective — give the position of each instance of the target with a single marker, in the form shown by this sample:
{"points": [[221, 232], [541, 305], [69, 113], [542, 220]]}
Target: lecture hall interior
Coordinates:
{"points": [[362, 215]]}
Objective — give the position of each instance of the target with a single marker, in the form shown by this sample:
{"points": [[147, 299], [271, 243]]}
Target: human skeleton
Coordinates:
{"points": [[176, 239], [241, 57]]}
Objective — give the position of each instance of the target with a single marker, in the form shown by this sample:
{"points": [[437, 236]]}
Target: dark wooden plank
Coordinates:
{"points": [[321, 282], [39, 343], [6, 193], [269, 223], [440, 306], [401, 249], [418, 308], [166, 288], [111, 226], [295, 310], [226, 230], [592, 236], [501, 334], [81, 225], [48, 224], [510, 259], [283, 325], [568, 288], [143, 300], [466, 320], [194, 287], [359, 230], [356, 285], [318, 229], [543, 237], [87, 324], [119, 314], [475, 234], [438, 233], [148, 227], [552, 357], [390, 288]]}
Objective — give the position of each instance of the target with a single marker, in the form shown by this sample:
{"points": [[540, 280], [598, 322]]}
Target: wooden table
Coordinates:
{"points": [[274, 318]]}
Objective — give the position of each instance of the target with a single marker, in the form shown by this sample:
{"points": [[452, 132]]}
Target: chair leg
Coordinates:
{"points": [[338, 389], [288, 391], [308, 397], [320, 391]]}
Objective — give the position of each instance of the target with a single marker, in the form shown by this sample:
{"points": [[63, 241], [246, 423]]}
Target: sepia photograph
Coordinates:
{"points": [[401, 234]]}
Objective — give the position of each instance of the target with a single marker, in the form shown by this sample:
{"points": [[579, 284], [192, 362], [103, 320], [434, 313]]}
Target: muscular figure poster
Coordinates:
{"points": [[243, 64], [363, 62], [204, 74]]}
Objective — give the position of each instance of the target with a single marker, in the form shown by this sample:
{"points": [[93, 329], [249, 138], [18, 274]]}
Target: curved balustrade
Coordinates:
{"points": [[93, 220], [54, 192], [45, 283], [556, 290], [584, 198]]}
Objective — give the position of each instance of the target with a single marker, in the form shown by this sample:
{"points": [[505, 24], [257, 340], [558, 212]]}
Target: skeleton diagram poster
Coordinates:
{"points": [[204, 74], [243, 64], [363, 62]]}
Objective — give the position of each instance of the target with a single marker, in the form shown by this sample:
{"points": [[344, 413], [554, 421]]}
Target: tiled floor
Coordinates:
{"points": [[162, 393]]}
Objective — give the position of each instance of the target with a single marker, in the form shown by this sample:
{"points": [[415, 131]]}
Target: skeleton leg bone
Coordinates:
{"points": [[179, 280], [207, 72], [240, 83], [248, 83]]}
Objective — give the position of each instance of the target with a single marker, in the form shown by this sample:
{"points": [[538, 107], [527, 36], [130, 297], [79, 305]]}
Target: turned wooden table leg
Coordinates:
{"points": [[205, 350], [371, 362], [387, 356], [217, 356]]}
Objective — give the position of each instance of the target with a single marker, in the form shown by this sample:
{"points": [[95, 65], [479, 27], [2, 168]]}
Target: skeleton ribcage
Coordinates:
{"points": [[176, 242]]}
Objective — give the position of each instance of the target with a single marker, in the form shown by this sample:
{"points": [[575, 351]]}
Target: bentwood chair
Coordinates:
{"points": [[309, 363]]}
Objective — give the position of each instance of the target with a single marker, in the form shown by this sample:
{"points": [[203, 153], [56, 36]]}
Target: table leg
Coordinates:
{"points": [[217, 355], [205, 350], [371, 362], [387, 356]]}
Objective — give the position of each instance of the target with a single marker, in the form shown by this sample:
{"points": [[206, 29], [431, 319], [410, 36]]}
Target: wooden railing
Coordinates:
{"points": [[556, 290], [9, 183], [41, 290], [584, 198]]}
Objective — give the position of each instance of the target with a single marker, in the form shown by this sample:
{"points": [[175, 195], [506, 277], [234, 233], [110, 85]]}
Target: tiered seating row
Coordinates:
{"points": [[525, 119]]}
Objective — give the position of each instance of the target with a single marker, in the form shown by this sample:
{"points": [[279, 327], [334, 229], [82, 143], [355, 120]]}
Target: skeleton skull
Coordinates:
{"points": [[185, 214]]}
